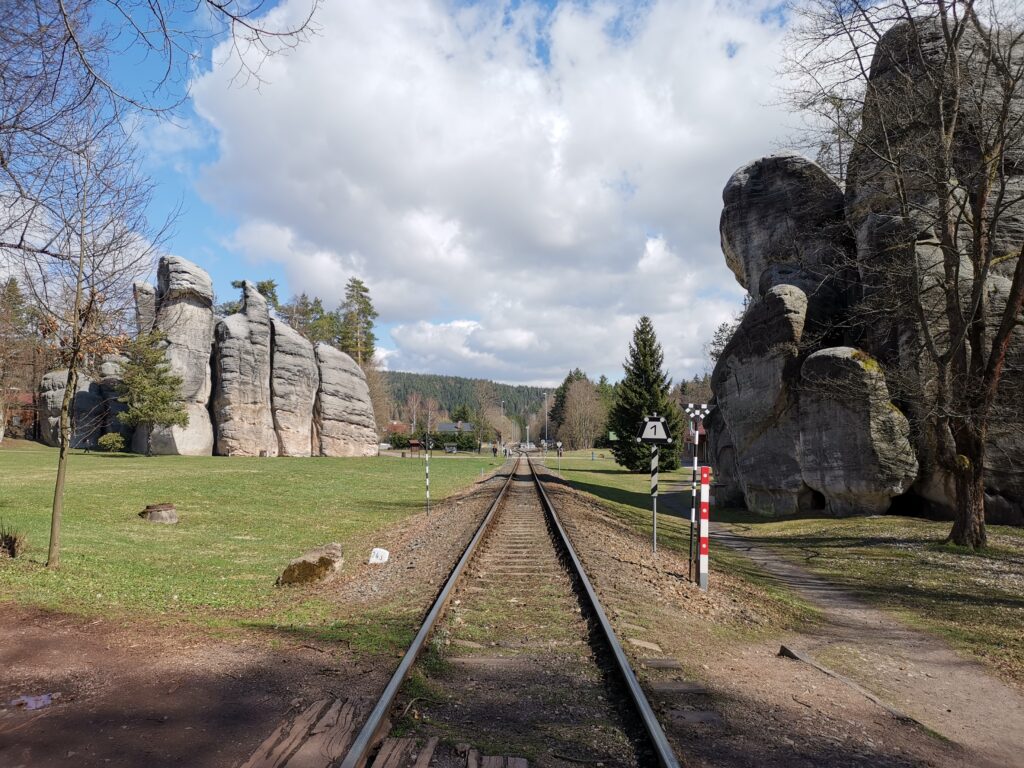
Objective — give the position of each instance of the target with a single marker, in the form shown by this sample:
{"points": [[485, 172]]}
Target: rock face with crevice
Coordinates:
{"points": [[293, 386], [88, 415], [184, 314], [342, 415], [241, 406]]}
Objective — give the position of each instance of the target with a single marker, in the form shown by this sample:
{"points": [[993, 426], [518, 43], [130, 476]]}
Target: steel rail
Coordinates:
{"points": [[663, 750], [360, 750]]}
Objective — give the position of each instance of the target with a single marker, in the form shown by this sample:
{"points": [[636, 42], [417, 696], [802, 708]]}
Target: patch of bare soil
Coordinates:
{"points": [[141, 694], [748, 707]]}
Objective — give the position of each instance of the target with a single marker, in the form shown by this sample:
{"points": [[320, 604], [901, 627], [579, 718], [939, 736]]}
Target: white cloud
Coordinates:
{"points": [[512, 217]]}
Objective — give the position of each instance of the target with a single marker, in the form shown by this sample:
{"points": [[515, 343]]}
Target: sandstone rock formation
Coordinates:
{"points": [[88, 414], [726, 490], [293, 385], [849, 408], [145, 306], [241, 405], [109, 381], [343, 422], [754, 386], [782, 223], [251, 385], [184, 313], [854, 443]]}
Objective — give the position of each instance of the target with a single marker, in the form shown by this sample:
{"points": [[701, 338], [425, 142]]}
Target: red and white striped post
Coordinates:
{"points": [[705, 517]]}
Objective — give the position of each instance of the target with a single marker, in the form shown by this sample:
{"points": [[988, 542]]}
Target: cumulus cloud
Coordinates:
{"points": [[516, 184]]}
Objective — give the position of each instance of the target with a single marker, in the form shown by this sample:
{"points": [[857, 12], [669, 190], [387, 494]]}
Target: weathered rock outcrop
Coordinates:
{"points": [[727, 490], [88, 414], [109, 381], [865, 376], [343, 422], [145, 306], [293, 385], [241, 404], [782, 224], [754, 383], [854, 443], [184, 313]]}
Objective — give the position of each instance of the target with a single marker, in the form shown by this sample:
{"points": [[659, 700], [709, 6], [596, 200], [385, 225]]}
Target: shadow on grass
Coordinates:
{"points": [[371, 633]]}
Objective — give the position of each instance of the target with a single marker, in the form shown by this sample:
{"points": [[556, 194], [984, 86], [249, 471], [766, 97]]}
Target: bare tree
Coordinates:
{"points": [[584, 416], [85, 241], [413, 408], [57, 59], [380, 397], [935, 196]]}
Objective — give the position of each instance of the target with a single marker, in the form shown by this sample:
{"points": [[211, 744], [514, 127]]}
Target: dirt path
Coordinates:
{"points": [[914, 671]]}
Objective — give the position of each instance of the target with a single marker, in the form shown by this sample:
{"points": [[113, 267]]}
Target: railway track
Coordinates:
{"points": [[531, 664]]}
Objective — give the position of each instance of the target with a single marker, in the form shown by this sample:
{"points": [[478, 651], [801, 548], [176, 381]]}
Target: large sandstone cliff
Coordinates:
{"points": [[816, 411], [251, 385]]}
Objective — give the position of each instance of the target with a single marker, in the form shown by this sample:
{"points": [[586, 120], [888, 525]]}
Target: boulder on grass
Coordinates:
{"points": [[315, 565], [160, 513]]}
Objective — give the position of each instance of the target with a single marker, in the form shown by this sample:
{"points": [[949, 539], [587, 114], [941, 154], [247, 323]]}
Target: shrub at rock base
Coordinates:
{"points": [[112, 442]]}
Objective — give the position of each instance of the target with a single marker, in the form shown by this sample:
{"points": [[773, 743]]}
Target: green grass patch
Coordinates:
{"points": [[242, 520]]}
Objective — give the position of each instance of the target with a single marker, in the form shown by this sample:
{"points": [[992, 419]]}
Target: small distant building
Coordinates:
{"points": [[399, 428]]}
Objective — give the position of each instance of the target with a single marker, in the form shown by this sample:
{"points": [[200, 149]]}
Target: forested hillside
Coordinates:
{"points": [[453, 391]]}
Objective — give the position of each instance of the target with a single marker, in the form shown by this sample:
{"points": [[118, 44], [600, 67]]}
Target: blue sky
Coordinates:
{"points": [[517, 183]]}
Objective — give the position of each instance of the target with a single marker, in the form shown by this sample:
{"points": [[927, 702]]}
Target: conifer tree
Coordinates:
{"points": [[149, 389], [642, 392], [357, 315]]}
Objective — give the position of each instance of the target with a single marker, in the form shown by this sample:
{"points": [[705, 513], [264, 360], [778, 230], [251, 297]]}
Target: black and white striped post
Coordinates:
{"points": [[654, 430], [428, 445], [654, 496], [696, 412]]}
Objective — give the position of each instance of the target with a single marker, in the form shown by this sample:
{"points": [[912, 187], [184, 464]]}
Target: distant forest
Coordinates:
{"points": [[453, 391]]}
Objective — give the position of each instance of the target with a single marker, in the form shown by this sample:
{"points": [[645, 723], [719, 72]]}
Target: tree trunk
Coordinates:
{"points": [[53, 556], [969, 525]]}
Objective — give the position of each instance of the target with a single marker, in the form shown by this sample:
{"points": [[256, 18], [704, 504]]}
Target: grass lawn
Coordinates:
{"points": [[242, 520], [975, 600]]}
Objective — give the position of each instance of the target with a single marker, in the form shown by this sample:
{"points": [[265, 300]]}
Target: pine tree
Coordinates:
{"points": [[357, 315], [642, 392], [149, 389]]}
